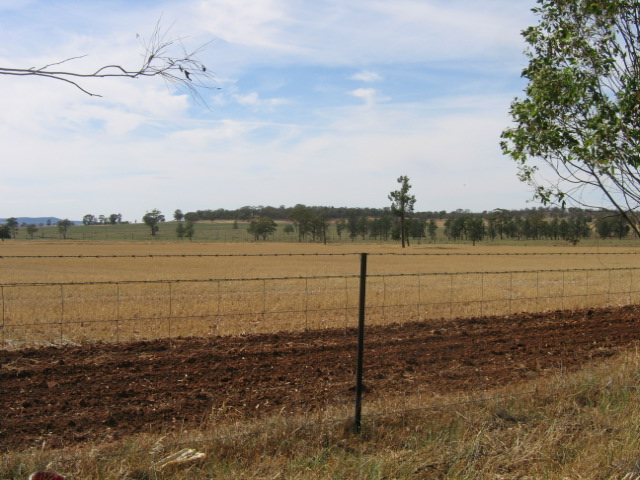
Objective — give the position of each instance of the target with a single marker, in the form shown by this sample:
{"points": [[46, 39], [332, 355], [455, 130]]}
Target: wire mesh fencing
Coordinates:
{"points": [[114, 311]]}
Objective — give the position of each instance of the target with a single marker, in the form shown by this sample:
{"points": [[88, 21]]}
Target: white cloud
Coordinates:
{"points": [[253, 100], [366, 94], [360, 32], [245, 22], [366, 76]]}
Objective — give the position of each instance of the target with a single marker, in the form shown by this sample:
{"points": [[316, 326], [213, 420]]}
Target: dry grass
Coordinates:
{"points": [[449, 259], [577, 426], [66, 295]]}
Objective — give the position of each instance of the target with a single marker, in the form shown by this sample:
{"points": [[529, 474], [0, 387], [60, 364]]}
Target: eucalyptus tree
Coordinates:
{"points": [[402, 206], [5, 232], [474, 228], [178, 216], [180, 230], [152, 219], [63, 227], [32, 228], [576, 134], [13, 225], [262, 227], [190, 230], [432, 228]]}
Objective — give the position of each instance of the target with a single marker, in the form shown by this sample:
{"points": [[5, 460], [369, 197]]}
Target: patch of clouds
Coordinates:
{"points": [[370, 96], [245, 22], [205, 137], [366, 94], [254, 100], [360, 32], [366, 76]]}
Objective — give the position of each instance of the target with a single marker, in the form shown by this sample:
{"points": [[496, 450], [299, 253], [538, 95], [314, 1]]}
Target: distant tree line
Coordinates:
{"points": [[112, 219], [248, 213], [11, 227], [534, 225], [312, 223]]}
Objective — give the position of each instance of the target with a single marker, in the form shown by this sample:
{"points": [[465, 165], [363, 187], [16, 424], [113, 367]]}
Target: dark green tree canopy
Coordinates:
{"points": [[576, 134], [152, 219], [262, 228], [63, 227], [5, 232]]}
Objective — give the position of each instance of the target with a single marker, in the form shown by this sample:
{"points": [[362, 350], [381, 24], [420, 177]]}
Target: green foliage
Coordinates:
{"points": [[402, 206], [12, 224], [432, 229], [353, 226], [612, 226], [381, 228], [32, 229], [187, 229], [416, 228], [262, 228], [191, 217], [574, 229], [5, 232], [152, 219], [577, 133], [63, 227], [190, 231], [475, 229], [465, 227], [311, 221], [180, 230]]}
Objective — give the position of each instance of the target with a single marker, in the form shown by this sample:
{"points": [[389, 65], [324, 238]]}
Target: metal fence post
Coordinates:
{"points": [[357, 427]]}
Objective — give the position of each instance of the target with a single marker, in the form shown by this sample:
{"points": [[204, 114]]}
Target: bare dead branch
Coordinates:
{"points": [[162, 57]]}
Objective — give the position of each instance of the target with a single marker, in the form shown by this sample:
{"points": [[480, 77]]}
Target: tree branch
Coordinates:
{"points": [[184, 70]]}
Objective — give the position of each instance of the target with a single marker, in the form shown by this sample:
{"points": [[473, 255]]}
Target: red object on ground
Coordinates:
{"points": [[46, 476]]}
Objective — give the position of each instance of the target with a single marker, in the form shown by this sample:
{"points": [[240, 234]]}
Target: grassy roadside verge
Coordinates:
{"points": [[582, 425]]}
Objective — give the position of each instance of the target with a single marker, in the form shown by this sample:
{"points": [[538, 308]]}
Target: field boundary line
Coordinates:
{"points": [[316, 277], [333, 254]]}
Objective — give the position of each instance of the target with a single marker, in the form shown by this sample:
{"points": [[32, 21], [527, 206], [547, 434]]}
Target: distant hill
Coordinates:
{"points": [[38, 220]]}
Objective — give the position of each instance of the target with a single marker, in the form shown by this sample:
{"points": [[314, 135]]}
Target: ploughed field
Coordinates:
{"points": [[99, 392]]}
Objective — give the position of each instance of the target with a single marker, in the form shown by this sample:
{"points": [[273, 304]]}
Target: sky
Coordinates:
{"points": [[323, 102]]}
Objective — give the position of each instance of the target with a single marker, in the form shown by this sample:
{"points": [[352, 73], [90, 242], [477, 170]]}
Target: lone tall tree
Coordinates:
{"points": [[402, 206], [576, 137]]}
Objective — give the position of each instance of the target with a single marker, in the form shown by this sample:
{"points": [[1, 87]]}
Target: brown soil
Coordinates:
{"points": [[101, 392]]}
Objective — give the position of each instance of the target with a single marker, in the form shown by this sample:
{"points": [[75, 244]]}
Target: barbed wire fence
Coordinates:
{"points": [[62, 313]]}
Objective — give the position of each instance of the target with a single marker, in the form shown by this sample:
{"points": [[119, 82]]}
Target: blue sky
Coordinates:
{"points": [[322, 102]]}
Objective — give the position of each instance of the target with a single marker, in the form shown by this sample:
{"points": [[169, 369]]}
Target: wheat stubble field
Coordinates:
{"points": [[73, 293], [68, 381]]}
